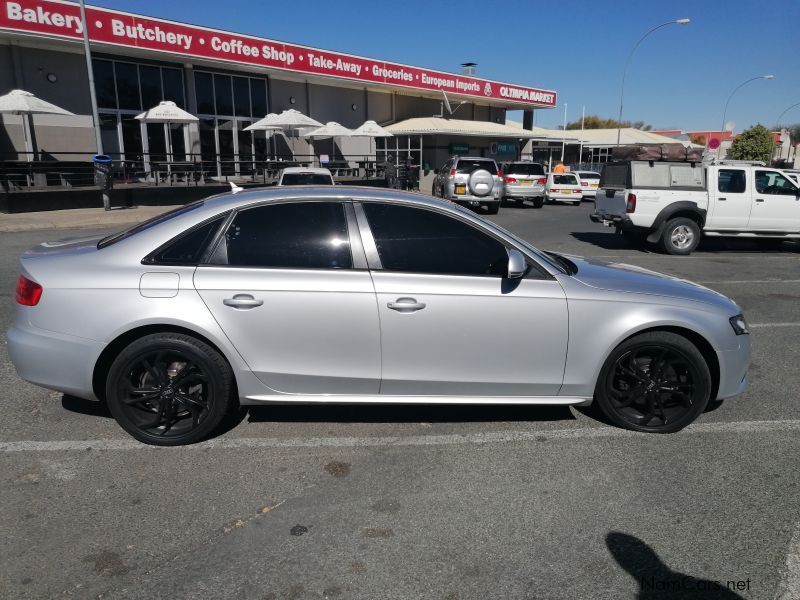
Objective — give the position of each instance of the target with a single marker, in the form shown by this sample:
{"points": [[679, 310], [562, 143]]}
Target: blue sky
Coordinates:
{"points": [[680, 76]]}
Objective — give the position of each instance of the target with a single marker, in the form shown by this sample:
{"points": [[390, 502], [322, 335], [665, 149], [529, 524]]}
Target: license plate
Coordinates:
{"points": [[594, 185], [526, 181], [461, 189]]}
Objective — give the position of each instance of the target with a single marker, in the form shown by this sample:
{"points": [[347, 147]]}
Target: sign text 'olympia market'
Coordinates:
{"points": [[49, 17]]}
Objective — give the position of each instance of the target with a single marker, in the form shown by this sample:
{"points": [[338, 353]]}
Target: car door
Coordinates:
{"points": [[731, 201], [289, 286], [777, 203], [451, 323]]}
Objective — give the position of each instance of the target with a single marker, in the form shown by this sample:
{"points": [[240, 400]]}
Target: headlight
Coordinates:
{"points": [[739, 325]]}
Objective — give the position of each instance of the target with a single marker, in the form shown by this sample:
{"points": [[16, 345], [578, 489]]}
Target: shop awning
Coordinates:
{"points": [[441, 126]]}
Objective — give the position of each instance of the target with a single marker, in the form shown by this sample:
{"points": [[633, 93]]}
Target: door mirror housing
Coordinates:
{"points": [[517, 265]]}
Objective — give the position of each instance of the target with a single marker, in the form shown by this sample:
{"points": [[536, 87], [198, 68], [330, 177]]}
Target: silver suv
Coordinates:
{"points": [[469, 180], [524, 180]]}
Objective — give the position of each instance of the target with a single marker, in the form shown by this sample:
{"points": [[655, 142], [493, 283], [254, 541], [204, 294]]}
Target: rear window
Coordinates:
{"points": [[565, 179], [468, 166], [589, 175], [525, 169], [306, 179], [162, 218], [615, 176]]}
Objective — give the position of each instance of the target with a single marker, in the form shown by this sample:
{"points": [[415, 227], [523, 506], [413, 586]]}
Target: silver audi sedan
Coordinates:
{"points": [[360, 295]]}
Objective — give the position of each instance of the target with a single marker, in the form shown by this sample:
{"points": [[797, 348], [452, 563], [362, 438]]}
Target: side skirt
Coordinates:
{"points": [[344, 399]]}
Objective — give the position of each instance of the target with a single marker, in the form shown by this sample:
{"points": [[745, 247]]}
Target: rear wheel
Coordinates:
{"points": [[681, 236], [655, 382], [169, 389], [538, 202], [577, 203], [493, 208]]}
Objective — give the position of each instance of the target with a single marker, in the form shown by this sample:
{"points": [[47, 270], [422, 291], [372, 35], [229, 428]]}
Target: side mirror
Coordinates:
{"points": [[517, 266]]}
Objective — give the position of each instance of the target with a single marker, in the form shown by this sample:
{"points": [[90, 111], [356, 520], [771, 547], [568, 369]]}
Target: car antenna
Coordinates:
{"points": [[235, 189]]}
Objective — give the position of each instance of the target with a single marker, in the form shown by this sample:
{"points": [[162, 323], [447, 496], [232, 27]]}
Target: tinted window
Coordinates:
{"points": [[525, 169], [115, 237], [241, 96], [127, 76], [732, 181], [150, 78], [173, 85], [422, 241], [104, 83], [592, 176], [565, 180], [614, 176], [204, 90], [306, 179], [772, 182], [300, 235], [258, 97], [223, 94], [189, 247], [468, 166]]}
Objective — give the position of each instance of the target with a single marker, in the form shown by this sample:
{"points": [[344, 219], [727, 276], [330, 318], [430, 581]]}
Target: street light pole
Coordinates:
{"points": [[725, 112], [778, 122], [628, 62], [95, 114]]}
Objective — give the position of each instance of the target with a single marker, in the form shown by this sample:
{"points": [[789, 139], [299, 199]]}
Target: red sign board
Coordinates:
{"points": [[55, 18], [713, 143]]}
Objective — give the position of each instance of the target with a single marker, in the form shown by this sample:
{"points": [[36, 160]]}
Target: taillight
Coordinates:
{"points": [[542, 180], [452, 172], [28, 292], [499, 173], [630, 205], [510, 180]]}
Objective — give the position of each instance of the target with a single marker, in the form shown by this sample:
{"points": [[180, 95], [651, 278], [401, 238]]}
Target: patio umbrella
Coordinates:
{"points": [[332, 130], [371, 130], [294, 120], [167, 112], [25, 104]]}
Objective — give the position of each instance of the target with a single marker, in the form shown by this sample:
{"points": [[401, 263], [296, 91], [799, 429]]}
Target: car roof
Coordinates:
{"points": [[473, 158], [587, 173], [314, 170]]}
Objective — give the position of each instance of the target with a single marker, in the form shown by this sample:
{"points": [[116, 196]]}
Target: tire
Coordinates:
{"points": [[538, 202], [655, 382], [145, 395], [680, 237], [493, 208], [578, 203]]}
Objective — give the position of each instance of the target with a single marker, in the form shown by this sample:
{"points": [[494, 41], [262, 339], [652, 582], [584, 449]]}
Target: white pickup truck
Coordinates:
{"points": [[672, 204]]}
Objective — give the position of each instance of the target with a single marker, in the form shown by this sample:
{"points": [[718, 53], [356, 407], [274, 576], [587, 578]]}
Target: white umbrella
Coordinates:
{"points": [[167, 112], [294, 119], [332, 130], [372, 130], [20, 102], [265, 124]]}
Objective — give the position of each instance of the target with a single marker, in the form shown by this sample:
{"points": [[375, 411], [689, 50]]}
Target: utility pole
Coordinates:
{"points": [[580, 152], [95, 114], [564, 133]]}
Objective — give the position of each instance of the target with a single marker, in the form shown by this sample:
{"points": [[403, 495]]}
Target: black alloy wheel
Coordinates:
{"points": [[655, 382], [169, 389]]}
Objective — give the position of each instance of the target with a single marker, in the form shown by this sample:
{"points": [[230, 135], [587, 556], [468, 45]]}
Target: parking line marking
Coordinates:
{"points": [[763, 325], [493, 437]]}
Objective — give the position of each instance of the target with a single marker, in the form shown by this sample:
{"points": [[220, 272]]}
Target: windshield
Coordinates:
{"points": [[125, 233], [306, 179], [525, 169], [564, 179]]}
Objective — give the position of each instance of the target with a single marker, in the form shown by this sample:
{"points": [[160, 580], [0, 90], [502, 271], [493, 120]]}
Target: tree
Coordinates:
{"points": [[596, 122], [754, 144]]}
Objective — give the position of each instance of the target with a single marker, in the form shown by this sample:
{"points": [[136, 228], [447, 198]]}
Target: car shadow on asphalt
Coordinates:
{"points": [[608, 240], [656, 581], [405, 413], [92, 408]]}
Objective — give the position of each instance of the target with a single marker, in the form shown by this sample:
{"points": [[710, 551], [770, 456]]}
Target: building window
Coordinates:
{"points": [[204, 92]]}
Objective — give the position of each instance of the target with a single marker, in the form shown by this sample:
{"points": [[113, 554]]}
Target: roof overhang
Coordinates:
{"points": [[459, 127], [111, 30]]}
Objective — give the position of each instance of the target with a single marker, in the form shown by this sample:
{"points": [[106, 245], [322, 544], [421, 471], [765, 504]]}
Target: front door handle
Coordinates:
{"points": [[406, 305], [722, 199], [243, 301], [759, 199]]}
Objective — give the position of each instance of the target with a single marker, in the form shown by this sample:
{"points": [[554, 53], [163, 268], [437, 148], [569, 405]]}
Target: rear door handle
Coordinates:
{"points": [[722, 199], [243, 301], [759, 199], [406, 305]]}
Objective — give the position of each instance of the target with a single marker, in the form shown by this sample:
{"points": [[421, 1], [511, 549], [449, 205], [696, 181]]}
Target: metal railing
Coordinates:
{"points": [[185, 169]]}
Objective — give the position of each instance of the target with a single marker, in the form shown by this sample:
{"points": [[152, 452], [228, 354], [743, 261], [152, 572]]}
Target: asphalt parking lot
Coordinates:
{"points": [[423, 502]]}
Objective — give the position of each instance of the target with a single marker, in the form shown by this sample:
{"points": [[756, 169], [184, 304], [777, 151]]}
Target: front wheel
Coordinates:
{"points": [[655, 382], [169, 389], [681, 236]]}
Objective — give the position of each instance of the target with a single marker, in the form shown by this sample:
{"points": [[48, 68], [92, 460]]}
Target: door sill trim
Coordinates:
{"points": [[378, 399]]}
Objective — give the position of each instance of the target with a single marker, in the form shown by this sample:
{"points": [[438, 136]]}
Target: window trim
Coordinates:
{"points": [[216, 246], [535, 270]]}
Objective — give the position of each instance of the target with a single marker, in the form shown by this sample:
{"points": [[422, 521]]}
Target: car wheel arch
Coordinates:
{"points": [[685, 209], [113, 348], [700, 342]]}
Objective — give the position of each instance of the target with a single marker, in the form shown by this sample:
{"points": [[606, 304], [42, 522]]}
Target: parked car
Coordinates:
{"points": [[357, 295], [305, 176], [794, 174], [563, 187], [524, 180], [590, 181], [471, 181], [673, 204]]}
